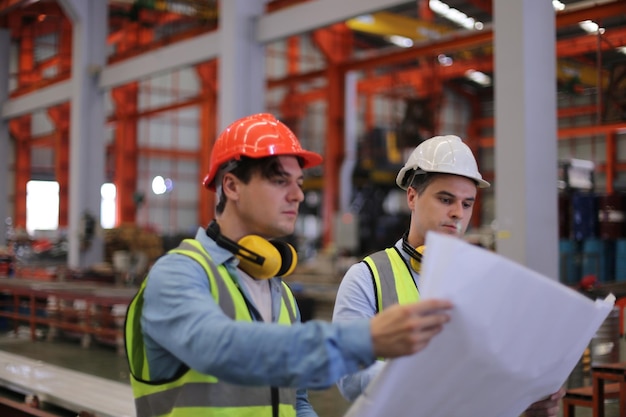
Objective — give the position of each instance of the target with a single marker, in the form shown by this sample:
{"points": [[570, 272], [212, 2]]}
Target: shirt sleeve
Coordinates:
{"points": [[183, 325], [356, 301]]}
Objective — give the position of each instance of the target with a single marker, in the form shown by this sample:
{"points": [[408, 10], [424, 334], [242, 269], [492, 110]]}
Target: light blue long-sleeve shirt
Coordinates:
{"points": [[182, 324], [356, 300]]}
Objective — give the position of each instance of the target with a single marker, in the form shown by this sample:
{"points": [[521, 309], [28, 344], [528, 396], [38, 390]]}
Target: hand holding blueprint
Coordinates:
{"points": [[513, 338]]}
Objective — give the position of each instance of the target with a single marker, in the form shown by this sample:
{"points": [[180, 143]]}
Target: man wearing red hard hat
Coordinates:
{"points": [[215, 331]]}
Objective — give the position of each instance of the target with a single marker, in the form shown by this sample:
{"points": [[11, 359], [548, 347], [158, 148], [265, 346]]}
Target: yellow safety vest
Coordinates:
{"points": [[190, 393], [393, 281]]}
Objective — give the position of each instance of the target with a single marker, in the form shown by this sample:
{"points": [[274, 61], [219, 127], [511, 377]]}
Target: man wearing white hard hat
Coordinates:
{"points": [[441, 179]]}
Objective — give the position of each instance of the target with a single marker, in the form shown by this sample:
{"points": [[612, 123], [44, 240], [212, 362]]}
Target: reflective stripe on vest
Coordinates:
{"points": [[191, 393], [393, 280]]}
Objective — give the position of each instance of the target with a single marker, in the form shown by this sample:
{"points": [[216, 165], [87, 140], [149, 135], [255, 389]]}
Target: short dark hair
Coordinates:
{"points": [[421, 180], [267, 167]]}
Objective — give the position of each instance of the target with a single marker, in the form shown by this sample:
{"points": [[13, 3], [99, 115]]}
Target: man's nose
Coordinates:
{"points": [[456, 210], [296, 193]]}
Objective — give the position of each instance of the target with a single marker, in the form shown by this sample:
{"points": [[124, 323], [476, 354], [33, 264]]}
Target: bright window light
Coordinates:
{"points": [[42, 205], [162, 185], [158, 185], [454, 15], [108, 192]]}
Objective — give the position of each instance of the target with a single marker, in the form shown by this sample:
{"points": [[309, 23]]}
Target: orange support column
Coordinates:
{"points": [[611, 152], [334, 150], [20, 128], [336, 44], [473, 141], [60, 116], [65, 48], [126, 151], [207, 73]]}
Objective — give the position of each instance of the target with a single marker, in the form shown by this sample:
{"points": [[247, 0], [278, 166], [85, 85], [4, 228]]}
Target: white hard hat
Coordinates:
{"points": [[444, 154]]}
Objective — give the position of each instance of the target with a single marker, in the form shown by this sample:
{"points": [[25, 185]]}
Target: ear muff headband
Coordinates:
{"points": [[415, 254], [258, 257]]}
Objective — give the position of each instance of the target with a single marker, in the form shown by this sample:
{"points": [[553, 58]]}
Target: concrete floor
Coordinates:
{"points": [[102, 360]]}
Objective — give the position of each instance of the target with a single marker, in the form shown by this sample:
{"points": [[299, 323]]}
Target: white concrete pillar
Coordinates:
{"points": [[241, 70], [526, 134], [87, 128], [5, 45]]}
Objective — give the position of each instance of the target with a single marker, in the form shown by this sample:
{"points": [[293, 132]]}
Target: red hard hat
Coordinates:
{"points": [[256, 136]]}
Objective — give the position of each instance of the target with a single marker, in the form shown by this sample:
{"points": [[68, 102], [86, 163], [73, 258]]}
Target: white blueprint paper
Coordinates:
{"points": [[513, 338]]}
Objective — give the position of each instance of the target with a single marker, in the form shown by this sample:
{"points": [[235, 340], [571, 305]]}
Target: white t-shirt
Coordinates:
{"points": [[259, 290]]}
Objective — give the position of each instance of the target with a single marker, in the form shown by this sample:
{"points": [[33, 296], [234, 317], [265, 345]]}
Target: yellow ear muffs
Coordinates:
{"points": [[416, 263], [258, 257], [273, 258], [288, 256]]}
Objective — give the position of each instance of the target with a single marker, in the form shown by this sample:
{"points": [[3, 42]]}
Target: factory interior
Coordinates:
{"points": [[108, 113]]}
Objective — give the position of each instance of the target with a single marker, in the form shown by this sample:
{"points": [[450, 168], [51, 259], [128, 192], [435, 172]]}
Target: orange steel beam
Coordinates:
{"points": [[20, 128], [60, 116], [611, 39], [573, 132], [336, 44], [207, 73], [565, 112], [169, 153], [9, 5], [46, 140], [424, 10], [595, 12], [456, 43], [130, 53], [65, 47], [565, 48], [473, 135], [126, 152], [484, 5], [334, 150], [293, 55], [323, 39], [275, 5], [194, 101]]}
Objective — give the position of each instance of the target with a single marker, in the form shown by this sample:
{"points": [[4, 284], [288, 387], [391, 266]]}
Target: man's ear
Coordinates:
{"points": [[230, 185], [411, 196]]}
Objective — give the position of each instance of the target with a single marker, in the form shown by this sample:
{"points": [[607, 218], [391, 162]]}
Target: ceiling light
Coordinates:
{"points": [[590, 26], [558, 6], [622, 49], [444, 60], [454, 15], [478, 77], [400, 41], [366, 18]]}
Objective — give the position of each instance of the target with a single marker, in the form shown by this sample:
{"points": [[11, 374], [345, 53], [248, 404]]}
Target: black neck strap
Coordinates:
{"points": [[410, 249], [213, 231]]}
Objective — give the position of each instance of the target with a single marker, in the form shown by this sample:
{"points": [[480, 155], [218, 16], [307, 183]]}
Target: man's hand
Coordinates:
{"points": [[405, 329], [546, 408]]}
